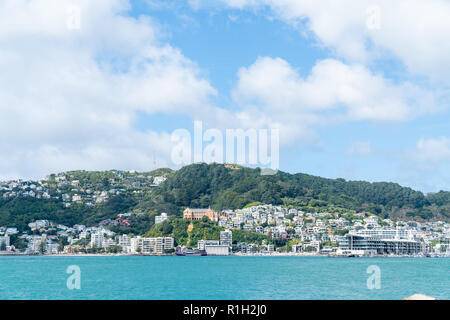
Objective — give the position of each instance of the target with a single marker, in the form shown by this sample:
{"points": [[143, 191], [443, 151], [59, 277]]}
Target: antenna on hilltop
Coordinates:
{"points": [[154, 161]]}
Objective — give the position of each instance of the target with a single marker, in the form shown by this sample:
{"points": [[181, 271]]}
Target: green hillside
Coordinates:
{"points": [[207, 185], [215, 185]]}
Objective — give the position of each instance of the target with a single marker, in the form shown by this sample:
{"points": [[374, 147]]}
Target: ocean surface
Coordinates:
{"points": [[213, 278]]}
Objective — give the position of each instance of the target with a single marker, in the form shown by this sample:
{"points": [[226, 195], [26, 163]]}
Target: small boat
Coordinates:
{"points": [[191, 253]]}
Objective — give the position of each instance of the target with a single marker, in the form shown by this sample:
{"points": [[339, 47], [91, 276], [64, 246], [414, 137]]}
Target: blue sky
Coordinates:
{"points": [[222, 40], [354, 94]]}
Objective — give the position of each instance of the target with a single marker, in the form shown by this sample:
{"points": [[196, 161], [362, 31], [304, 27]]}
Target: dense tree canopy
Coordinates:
{"points": [[215, 185]]}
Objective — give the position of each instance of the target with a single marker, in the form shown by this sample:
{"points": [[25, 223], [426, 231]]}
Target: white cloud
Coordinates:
{"points": [[361, 148], [427, 166], [414, 31], [69, 98], [270, 92], [432, 151]]}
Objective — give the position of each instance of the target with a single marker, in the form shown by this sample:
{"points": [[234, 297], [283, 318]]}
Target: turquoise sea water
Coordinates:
{"points": [[214, 278]]}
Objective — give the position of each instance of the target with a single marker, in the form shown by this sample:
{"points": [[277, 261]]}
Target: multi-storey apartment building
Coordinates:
{"points": [[381, 241], [153, 245], [226, 238]]}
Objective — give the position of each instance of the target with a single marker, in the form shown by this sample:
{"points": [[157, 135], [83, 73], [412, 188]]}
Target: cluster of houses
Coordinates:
{"points": [[347, 233], [338, 233], [67, 188], [43, 240]]}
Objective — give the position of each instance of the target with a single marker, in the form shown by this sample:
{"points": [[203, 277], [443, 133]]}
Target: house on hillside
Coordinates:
{"points": [[198, 214]]}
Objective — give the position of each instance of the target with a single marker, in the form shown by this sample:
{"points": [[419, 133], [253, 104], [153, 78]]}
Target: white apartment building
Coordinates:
{"points": [[97, 239], [35, 243], [226, 238], [124, 240], [153, 245], [389, 233], [126, 243]]}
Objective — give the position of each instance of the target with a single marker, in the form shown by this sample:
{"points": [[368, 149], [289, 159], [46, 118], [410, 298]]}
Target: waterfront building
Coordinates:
{"points": [[242, 247], [124, 241], [163, 243], [388, 233], [97, 239], [51, 248], [107, 243], [201, 244], [245, 247], [217, 250], [381, 242], [153, 245], [145, 245], [36, 244]]}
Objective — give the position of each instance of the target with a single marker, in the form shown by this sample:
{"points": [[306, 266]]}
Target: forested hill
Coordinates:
{"points": [[230, 186], [91, 197]]}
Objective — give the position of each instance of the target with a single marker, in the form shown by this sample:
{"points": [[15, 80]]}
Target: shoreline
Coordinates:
{"points": [[231, 255]]}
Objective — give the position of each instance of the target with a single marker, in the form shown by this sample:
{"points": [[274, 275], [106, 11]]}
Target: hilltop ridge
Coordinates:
{"points": [[91, 196], [215, 185]]}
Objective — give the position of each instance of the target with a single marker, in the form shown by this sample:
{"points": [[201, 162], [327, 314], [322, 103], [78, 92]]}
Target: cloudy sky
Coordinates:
{"points": [[358, 89]]}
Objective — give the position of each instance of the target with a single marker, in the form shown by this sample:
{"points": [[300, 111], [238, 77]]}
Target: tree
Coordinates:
{"points": [[61, 243], [310, 249], [17, 242], [42, 247], [114, 249]]}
